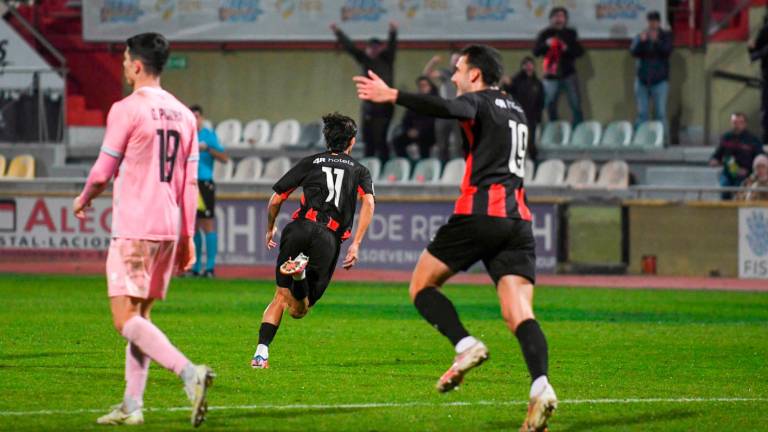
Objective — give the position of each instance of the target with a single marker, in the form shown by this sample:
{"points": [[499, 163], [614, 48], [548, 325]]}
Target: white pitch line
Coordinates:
{"points": [[374, 405]]}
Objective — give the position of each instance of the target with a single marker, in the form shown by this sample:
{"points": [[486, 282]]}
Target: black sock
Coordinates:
{"points": [[439, 311], [534, 346], [299, 289], [267, 333]]}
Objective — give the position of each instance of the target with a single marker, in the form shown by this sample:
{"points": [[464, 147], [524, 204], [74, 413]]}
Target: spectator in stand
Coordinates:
{"points": [[528, 91], [758, 50], [758, 179], [417, 128], [652, 48], [560, 47], [736, 153], [447, 134], [375, 117]]}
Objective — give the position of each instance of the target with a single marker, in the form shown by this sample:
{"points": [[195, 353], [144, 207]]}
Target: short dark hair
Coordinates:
{"points": [[487, 59], [740, 114], [196, 108], [338, 131], [557, 9], [653, 16], [152, 49], [527, 59], [374, 41]]}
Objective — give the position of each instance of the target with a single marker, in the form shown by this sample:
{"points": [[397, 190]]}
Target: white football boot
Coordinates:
{"points": [[471, 357], [197, 389], [540, 409], [119, 417]]}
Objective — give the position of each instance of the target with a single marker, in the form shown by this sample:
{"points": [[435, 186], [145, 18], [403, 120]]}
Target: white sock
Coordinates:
{"points": [[262, 350], [302, 276], [538, 386], [464, 344]]}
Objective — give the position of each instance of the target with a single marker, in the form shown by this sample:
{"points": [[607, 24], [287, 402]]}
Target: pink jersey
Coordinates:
{"points": [[155, 137]]}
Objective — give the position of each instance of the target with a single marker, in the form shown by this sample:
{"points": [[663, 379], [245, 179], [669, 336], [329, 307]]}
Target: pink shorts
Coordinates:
{"points": [[140, 268]]}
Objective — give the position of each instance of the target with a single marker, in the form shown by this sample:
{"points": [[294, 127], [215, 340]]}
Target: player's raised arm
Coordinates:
{"points": [[374, 89], [119, 126]]}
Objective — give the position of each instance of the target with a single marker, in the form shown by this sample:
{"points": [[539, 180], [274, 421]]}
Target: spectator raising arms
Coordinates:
{"points": [[447, 133], [375, 117], [736, 153], [560, 46], [652, 48]]}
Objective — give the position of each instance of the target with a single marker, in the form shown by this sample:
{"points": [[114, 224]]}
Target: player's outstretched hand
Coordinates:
{"points": [[351, 258], [374, 89], [270, 235], [79, 206], [185, 254]]}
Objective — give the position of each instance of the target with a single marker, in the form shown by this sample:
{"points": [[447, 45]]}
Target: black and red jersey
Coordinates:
{"points": [[331, 184], [495, 141]]}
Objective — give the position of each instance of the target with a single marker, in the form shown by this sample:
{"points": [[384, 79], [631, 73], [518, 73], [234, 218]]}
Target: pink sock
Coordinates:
{"points": [[154, 344], [136, 371]]}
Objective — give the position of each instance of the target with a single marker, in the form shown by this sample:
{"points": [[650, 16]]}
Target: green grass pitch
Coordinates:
{"points": [[363, 360]]}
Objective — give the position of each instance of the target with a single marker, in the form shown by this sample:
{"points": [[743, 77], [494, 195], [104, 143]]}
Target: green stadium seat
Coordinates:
{"points": [[581, 174], [453, 172], [374, 166], [249, 169], [427, 171], [276, 168], [649, 135], [555, 135], [256, 133], [396, 170], [613, 175], [617, 134], [551, 172], [586, 135]]}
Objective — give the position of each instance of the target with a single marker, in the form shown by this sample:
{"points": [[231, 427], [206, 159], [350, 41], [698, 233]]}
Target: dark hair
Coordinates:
{"points": [[558, 9], [338, 131], [487, 59], [374, 41], [432, 86], [527, 59], [653, 16], [740, 114], [196, 108], [152, 49]]}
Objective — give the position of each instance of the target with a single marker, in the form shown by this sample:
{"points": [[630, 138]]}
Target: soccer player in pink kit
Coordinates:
{"points": [[151, 148]]}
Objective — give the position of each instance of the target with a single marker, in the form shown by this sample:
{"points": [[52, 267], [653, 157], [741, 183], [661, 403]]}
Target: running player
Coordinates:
{"points": [[491, 221], [150, 146], [210, 150], [310, 244]]}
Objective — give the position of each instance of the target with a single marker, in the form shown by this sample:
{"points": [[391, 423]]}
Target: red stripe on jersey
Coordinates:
{"points": [[303, 202], [360, 191], [332, 225], [347, 234], [311, 214], [525, 213], [465, 201], [497, 200], [295, 214], [284, 196]]}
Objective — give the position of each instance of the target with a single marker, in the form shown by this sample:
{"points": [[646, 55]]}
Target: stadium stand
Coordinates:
{"points": [[453, 172], [586, 135], [427, 171], [649, 135], [286, 133], [311, 135], [529, 170], [396, 170], [617, 134], [581, 174], [2, 166], [374, 166], [222, 171], [249, 169], [276, 168], [230, 132], [555, 134], [550, 173], [256, 132], [22, 167], [683, 176], [613, 175]]}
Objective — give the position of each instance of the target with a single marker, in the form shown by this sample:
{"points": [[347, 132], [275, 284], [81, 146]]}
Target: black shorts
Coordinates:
{"points": [[319, 244], [506, 246], [207, 202]]}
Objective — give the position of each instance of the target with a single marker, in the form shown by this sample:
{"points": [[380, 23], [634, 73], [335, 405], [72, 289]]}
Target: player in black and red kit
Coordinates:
{"points": [[332, 181], [491, 221]]}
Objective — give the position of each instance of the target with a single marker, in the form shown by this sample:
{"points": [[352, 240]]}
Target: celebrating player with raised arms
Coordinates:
{"points": [[332, 181], [491, 221], [150, 147]]}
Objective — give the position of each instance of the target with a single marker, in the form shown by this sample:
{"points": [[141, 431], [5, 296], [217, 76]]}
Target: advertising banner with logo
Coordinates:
{"points": [[308, 20], [753, 243], [396, 237]]}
